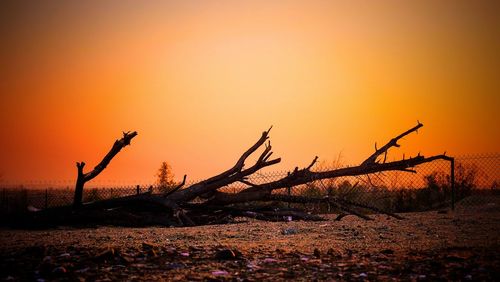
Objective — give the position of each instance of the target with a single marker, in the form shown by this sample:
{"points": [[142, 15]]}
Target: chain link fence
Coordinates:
{"points": [[477, 180]]}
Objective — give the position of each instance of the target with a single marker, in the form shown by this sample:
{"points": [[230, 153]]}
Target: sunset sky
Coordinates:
{"points": [[200, 81]]}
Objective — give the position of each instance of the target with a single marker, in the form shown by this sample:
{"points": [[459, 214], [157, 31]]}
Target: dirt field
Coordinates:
{"points": [[463, 245]]}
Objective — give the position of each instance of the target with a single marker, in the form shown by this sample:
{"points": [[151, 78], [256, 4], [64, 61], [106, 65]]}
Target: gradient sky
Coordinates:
{"points": [[200, 81]]}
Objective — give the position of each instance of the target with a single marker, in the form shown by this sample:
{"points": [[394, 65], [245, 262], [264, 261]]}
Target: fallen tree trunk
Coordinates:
{"points": [[177, 207]]}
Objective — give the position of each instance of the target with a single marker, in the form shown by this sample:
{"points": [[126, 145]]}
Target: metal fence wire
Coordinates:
{"points": [[476, 185]]}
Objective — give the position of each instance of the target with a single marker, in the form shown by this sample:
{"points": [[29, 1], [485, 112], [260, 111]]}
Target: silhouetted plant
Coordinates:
{"points": [[165, 177]]}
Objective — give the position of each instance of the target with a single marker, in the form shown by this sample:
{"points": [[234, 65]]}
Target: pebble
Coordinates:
{"points": [[289, 231], [225, 254], [220, 272], [317, 253], [59, 270], [387, 252]]}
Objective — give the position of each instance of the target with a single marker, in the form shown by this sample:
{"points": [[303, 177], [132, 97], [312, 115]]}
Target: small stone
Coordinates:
{"points": [[270, 260], [333, 253], [83, 270], [148, 246], [387, 252], [225, 254], [220, 272], [175, 265], [127, 259], [107, 254], [59, 270], [317, 253], [289, 231]]}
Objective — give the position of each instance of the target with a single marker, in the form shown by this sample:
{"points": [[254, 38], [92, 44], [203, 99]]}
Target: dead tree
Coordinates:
{"points": [[216, 199], [177, 207], [82, 177]]}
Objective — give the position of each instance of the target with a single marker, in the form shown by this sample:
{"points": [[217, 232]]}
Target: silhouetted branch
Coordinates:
{"points": [[82, 177], [392, 143], [177, 187]]}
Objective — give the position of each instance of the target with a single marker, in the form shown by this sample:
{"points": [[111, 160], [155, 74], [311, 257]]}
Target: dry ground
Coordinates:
{"points": [[460, 245]]}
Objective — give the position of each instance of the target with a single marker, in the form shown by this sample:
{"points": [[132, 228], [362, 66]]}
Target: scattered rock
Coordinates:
{"points": [[289, 231], [333, 253], [59, 270], [64, 255], [220, 272], [106, 255], [175, 265], [387, 252], [227, 254], [317, 253], [148, 246], [269, 260], [83, 270]]}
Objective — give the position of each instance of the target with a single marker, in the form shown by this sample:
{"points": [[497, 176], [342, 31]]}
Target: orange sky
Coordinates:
{"points": [[200, 81]]}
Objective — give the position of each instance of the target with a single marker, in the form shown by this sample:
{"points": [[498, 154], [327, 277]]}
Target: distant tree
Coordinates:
{"points": [[438, 184], [165, 177], [466, 178]]}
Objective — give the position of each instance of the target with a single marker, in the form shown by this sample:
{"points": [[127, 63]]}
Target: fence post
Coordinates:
{"points": [[46, 198], [138, 189], [452, 176], [289, 191]]}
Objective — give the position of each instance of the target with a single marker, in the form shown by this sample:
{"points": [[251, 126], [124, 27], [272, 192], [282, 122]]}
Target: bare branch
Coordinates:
{"points": [[82, 177], [241, 161], [312, 163], [117, 146], [177, 187], [236, 173], [392, 143]]}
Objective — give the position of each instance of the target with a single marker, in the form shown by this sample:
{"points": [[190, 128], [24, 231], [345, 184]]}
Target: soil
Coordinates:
{"points": [[460, 245]]}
